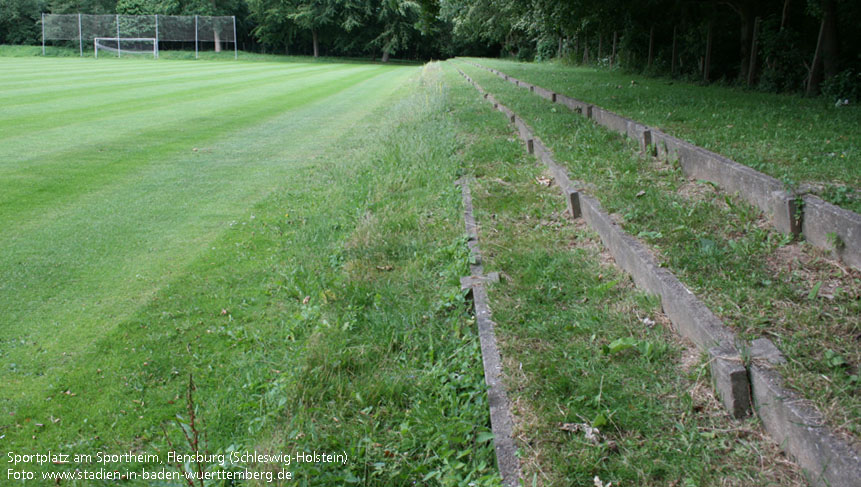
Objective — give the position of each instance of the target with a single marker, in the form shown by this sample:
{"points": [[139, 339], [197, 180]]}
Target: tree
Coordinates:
{"points": [[19, 21], [313, 15], [398, 18]]}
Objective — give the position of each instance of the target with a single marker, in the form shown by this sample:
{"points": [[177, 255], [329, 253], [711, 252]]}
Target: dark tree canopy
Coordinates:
{"points": [[777, 45]]}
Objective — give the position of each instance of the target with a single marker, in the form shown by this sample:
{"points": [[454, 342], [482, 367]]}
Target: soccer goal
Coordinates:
{"points": [[126, 45], [139, 34]]}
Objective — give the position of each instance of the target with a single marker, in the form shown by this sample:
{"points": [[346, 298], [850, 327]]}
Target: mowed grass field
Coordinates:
{"points": [[288, 233], [116, 174]]}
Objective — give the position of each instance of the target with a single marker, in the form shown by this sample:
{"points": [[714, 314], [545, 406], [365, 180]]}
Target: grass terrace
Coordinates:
{"points": [[805, 142], [758, 281]]}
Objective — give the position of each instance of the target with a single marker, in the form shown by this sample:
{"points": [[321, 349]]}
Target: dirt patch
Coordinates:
{"points": [[526, 423], [815, 266], [695, 190]]}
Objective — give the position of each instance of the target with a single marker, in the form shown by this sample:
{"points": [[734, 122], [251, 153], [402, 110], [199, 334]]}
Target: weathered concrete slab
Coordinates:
{"points": [[640, 134], [798, 428], [468, 282], [574, 104], [830, 227], [500, 416], [764, 192], [729, 379], [666, 146], [572, 200], [546, 94], [764, 350], [610, 120], [691, 318]]}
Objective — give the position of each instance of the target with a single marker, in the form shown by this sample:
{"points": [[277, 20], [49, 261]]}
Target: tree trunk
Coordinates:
{"points": [[600, 47], [385, 56], [673, 62], [745, 13], [585, 49], [754, 62], [815, 76], [708, 60], [830, 40], [217, 36], [651, 46], [613, 57], [314, 40], [785, 14], [559, 48]]}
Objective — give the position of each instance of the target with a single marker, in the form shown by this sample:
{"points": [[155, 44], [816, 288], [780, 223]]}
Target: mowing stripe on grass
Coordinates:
{"points": [[97, 231]]}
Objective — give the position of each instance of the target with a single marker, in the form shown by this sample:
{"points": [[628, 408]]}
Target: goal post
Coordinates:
{"points": [[126, 45]]}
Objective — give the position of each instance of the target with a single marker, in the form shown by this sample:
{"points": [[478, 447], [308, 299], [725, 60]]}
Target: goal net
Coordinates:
{"points": [[120, 46], [139, 34]]}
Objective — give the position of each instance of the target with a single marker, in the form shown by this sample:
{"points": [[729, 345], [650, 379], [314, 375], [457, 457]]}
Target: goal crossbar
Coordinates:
{"points": [[120, 40]]}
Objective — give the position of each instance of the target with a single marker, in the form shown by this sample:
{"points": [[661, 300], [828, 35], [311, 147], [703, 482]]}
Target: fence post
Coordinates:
{"points": [[156, 36], [119, 47], [235, 48], [43, 34], [80, 36], [195, 37]]}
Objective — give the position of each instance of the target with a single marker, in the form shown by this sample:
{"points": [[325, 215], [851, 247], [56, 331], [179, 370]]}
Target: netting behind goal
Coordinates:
{"points": [[200, 31], [126, 46]]}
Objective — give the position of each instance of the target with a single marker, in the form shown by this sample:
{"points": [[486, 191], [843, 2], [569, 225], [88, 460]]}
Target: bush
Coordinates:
{"points": [[843, 86]]}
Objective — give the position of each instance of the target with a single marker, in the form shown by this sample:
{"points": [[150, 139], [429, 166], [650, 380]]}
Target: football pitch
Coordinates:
{"points": [[114, 174], [117, 175]]}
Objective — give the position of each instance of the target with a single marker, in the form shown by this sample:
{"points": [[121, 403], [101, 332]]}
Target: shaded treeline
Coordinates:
{"points": [[806, 46]]}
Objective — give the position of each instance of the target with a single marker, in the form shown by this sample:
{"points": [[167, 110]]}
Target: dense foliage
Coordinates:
{"points": [[777, 45]]}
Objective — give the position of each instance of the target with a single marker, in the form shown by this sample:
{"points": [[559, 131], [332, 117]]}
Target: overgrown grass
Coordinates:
{"points": [[798, 140], [293, 240], [583, 348], [758, 281]]}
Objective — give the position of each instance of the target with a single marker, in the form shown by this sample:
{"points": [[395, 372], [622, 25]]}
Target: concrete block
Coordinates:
{"points": [[501, 423], [468, 282], [762, 350], [572, 199], [764, 192], [794, 424], [546, 94], [640, 134], [610, 120], [525, 131], [785, 212], [629, 254], [691, 318], [573, 104], [667, 146], [830, 227], [729, 378]]}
